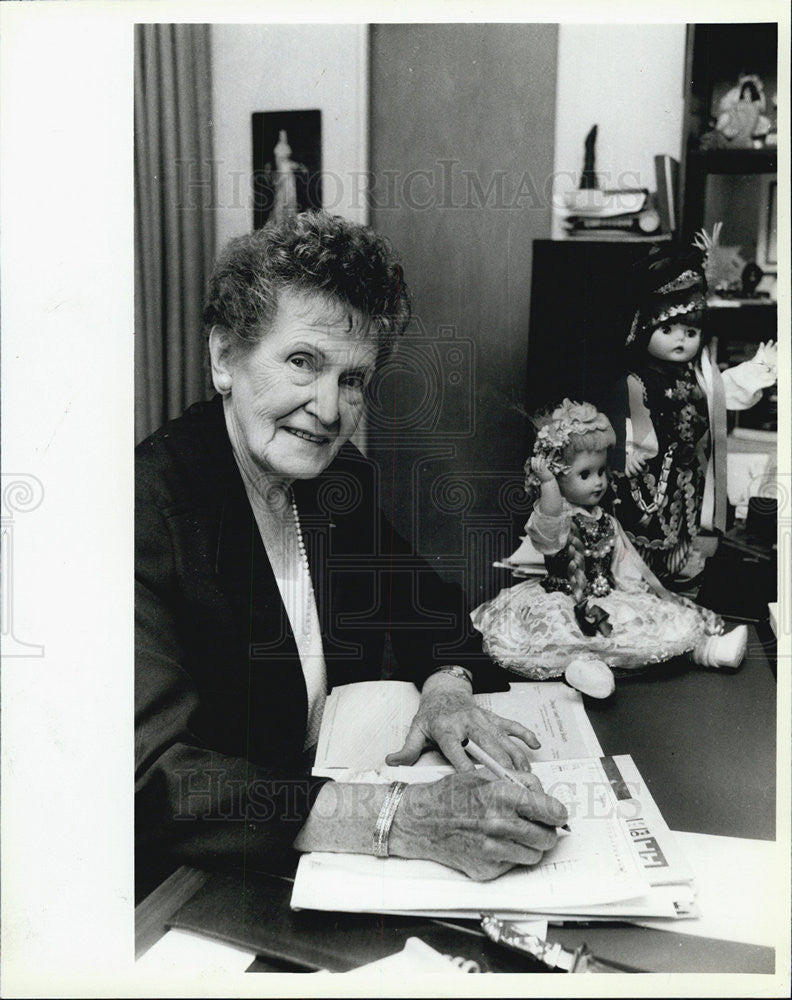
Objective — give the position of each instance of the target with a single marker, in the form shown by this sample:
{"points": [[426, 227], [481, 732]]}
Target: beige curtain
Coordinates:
{"points": [[174, 218]]}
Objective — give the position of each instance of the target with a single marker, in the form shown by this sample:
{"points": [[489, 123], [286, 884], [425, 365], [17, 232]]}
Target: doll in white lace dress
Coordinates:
{"points": [[599, 606]]}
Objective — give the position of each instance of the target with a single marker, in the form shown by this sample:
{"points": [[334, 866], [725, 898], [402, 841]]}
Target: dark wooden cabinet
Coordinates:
{"points": [[581, 311]]}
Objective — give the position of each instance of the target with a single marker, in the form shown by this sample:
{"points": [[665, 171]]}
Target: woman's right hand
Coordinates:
{"points": [[540, 468], [479, 826]]}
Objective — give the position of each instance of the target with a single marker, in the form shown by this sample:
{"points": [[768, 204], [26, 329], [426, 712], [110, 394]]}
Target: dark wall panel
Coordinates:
{"points": [[462, 134]]}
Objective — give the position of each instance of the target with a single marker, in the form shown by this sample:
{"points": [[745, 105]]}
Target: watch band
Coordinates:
{"points": [[455, 671]]}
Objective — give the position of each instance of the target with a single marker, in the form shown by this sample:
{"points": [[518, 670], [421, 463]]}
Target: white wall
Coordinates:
{"points": [[280, 67], [628, 79]]}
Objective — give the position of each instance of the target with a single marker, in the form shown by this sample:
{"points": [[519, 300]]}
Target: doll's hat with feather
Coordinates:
{"points": [[667, 286]]}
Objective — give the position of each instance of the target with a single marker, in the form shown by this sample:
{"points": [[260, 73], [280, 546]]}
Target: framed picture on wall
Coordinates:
{"points": [[287, 164], [767, 236]]}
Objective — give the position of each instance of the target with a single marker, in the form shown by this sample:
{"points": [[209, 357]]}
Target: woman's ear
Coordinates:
{"points": [[221, 356]]}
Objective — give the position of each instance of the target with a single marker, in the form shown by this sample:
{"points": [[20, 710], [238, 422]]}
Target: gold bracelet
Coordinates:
{"points": [[386, 817]]}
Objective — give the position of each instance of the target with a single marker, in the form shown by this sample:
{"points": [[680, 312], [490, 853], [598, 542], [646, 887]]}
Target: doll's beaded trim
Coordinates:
{"points": [[598, 538], [659, 498], [684, 280], [663, 316]]}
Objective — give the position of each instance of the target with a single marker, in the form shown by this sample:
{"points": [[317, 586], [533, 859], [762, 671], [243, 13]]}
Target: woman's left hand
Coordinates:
{"points": [[448, 714]]}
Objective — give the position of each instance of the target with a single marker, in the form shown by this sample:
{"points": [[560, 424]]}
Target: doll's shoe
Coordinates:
{"points": [[727, 650], [590, 676]]}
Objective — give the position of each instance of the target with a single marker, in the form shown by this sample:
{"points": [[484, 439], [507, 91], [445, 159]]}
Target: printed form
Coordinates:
{"points": [[597, 863], [364, 722]]}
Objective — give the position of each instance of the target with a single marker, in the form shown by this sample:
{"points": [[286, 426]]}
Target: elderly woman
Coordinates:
{"points": [[266, 574]]}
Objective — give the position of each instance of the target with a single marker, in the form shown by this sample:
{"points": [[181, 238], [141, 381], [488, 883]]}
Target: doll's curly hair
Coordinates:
{"points": [[563, 432]]}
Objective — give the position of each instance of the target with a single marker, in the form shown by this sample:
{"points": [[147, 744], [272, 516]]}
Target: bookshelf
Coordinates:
{"points": [[726, 179]]}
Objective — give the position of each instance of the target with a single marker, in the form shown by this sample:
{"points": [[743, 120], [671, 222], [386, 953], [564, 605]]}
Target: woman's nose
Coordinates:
{"points": [[324, 402]]}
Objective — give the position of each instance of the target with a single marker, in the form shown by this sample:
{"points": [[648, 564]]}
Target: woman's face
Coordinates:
{"points": [[675, 342], [587, 479], [295, 397]]}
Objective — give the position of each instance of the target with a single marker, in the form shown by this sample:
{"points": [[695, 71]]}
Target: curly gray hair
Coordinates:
{"points": [[314, 253]]}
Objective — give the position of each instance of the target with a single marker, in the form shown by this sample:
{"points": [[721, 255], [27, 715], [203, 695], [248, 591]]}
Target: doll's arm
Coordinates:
{"points": [[641, 440], [549, 532], [743, 384]]}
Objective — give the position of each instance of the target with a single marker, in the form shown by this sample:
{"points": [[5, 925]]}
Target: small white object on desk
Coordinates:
{"points": [[416, 956], [180, 951]]}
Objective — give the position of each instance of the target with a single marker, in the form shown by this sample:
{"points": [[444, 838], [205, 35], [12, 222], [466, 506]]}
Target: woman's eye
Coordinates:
{"points": [[302, 362], [355, 380]]}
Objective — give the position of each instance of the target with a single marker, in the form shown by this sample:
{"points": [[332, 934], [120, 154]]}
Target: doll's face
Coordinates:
{"points": [[587, 480], [675, 342]]}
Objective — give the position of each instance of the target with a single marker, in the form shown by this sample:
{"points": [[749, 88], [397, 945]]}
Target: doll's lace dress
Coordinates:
{"points": [[532, 629]]}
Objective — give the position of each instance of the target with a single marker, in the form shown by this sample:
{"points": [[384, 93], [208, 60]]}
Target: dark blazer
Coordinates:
{"points": [[221, 704]]}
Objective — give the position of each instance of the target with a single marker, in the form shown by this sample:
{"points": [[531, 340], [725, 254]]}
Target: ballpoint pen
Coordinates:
{"points": [[497, 769]]}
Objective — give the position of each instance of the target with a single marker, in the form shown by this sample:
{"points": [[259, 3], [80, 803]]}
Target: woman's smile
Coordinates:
{"points": [[317, 439]]}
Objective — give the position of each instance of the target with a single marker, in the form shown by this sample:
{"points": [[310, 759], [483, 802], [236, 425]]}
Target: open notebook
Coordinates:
{"points": [[364, 722]]}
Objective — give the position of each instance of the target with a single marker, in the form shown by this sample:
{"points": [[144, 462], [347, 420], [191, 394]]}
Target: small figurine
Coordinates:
{"points": [[588, 178], [674, 479], [285, 200], [599, 606], [741, 121]]}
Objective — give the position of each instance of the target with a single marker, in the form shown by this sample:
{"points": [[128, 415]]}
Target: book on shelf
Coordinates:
{"points": [[645, 222], [667, 200], [613, 236]]}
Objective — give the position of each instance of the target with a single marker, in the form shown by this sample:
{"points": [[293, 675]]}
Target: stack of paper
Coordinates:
{"points": [[619, 862]]}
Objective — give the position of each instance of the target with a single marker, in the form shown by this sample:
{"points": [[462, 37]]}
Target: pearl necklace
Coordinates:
{"points": [[304, 559]]}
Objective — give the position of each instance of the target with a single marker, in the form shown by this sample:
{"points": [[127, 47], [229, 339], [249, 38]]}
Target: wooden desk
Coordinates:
{"points": [[704, 741]]}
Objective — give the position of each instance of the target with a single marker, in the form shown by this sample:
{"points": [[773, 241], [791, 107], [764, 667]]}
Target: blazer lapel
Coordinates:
{"points": [[276, 692]]}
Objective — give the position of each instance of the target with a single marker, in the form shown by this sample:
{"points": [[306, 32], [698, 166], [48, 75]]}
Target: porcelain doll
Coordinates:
{"points": [[674, 479], [599, 607], [740, 121]]}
